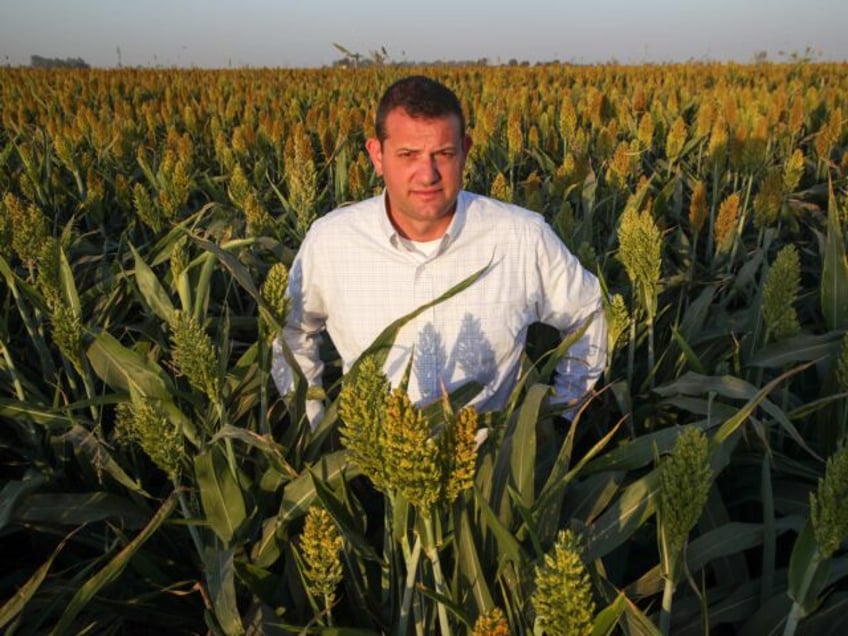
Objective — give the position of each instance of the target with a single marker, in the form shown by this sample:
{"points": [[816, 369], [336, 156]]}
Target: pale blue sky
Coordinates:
{"points": [[220, 34]]}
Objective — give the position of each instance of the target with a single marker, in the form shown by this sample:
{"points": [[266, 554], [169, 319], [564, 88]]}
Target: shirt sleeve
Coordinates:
{"points": [[302, 332], [571, 297]]}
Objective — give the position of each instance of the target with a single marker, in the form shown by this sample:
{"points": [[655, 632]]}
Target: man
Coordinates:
{"points": [[362, 267]]}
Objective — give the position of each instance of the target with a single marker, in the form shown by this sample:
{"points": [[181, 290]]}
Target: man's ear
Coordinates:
{"points": [[375, 151]]}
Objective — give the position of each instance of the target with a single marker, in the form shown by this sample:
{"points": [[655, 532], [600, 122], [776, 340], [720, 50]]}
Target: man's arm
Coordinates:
{"points": [[572, 298]]}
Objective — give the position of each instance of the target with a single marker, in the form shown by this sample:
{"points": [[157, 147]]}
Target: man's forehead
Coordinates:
{"points": [[400, 116]]}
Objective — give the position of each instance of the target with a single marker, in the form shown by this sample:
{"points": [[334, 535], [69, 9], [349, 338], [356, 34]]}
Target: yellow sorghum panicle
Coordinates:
{"points": [[768, 200], [620, 167], [563, 596], [493, 623], [321, 544], [640, 251], [459, 454], [793, 170], [239, 187], [756, 142], [828, 512], [68, 334], [676, 139], [533, 138], [717, 147], [842, 365], [362, 404], [645, 135], [706, 116], [724, 230], [567, 117], [301, 177], [259, 222], [514, 136], [273, 292], [595, 103], [94, 189], [685, 480], [605, 142], [194, 354], [357, 180], [618, 320], [828, 135], [501, 189], [143, 422], [698, 206], [410, 452], [780, 291], [796, 116]]}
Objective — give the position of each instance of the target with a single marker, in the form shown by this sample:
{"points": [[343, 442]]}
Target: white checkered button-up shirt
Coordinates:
{"points": [[354, 275]]}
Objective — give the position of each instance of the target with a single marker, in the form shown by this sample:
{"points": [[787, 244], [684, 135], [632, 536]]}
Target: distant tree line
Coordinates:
{"points": [[36, 61]]}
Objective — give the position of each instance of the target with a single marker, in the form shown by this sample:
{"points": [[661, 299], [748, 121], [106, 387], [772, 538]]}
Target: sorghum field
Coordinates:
{"points": [[153, 480]]}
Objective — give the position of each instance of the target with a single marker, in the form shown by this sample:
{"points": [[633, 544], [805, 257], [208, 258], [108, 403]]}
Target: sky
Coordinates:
{"points": [[302, 33]]}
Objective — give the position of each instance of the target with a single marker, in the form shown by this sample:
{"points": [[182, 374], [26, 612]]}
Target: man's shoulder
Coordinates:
{"points": [[349, 216], [484, 209]]}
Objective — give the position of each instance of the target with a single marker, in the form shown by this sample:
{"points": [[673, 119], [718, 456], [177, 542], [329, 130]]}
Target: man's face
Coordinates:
{"points": [[421, 162]]}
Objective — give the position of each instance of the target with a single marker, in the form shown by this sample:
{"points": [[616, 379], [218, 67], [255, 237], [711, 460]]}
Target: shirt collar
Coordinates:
{"points": [[451, 234]]}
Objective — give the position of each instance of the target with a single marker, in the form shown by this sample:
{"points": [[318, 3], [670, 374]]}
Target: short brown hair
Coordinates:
{"points": [[421, 97]]}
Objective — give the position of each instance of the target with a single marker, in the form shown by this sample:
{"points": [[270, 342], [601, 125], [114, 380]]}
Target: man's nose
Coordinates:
{"points": [[430, 170]]}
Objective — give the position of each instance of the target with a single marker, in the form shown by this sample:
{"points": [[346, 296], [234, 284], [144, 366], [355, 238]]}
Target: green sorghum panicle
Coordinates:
{"points": [[321, 544], [362, 402], [828, 512], [685, 480], [6, 231], [459, 453], [780, 292], [259, 222], [492, 623], [618, 320], [146, 208], [68, 334], [194, 354], [842, 365], [273, 292], [28, 228], [179, 257], [640, 251], [145, 423], [563, 596], [47, 276], [410, 452]]}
